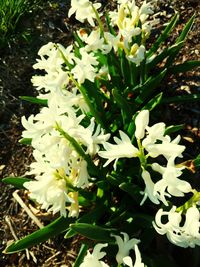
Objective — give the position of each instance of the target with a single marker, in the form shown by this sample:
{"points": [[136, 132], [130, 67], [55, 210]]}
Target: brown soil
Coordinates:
{"points": [[50, 24]]}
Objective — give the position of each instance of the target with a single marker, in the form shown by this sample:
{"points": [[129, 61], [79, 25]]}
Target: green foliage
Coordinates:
{"points": [[114, 199], [16, 181], [11, 12], [53, 229]]}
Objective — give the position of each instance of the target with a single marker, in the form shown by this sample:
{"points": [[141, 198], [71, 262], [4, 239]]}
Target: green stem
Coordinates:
{"points": [[142, 156], [99, 22], [78, 149], [88, 102], [192, 201]]}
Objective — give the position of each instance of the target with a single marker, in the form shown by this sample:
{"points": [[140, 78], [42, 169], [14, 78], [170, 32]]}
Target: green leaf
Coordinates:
{"points": [[153, 102], [186, 29], [123, 105], [25, 141], [90, 217], [181, 99], [132, 190], [186, 66], [49, 231], [93, 232], [34, 100], [16, 181], [163, 36], [148, 88], [173, 128], [197, 162], [164, 54], [181, 38], [81, 255]]}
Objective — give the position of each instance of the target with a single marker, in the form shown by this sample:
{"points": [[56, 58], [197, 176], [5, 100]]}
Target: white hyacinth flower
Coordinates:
{"points": [[124, 246], [94, 41], [138, 260], [85, 68], [187, 235], [50, 192], [149, 189], [51, 61], [166, 149], [94, 259], [170, 181], [141, 122], [122, 149], [83, 10], [138, 56]]}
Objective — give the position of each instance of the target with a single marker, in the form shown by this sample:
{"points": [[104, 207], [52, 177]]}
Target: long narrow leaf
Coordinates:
{"points": [[164, 54], [17, 182], [124, 106], [181, 38], [93, 232], [34, 100], [49, 231], [163, 35], [148, 88], [186, 30], [186, 66], [79, 149], [153, 102], [181, 99], [81, 255]]}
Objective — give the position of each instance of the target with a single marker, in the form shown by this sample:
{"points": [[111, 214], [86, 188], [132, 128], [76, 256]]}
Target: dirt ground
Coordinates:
{"points": [[50, 23]]}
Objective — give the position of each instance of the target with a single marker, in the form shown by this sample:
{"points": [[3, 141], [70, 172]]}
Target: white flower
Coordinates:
{"points": [[154, 133], [94, 259], [50, 192], [94, 41], [92, 138], [122, 149], [170, 181], [138, 56], [85, 67], [184, 236], [45, 121], [83, 10], [157, 143], [145, 11], [138, 260], [51, 61], [166, 149], [124, 246], [149, 188], [141, 122]]}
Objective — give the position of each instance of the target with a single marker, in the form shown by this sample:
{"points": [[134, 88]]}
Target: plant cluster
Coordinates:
{"points": [[99, 160], [11, 12]]}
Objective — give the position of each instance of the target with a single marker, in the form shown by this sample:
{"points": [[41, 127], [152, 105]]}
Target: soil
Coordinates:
{"points": [[50, 23]]}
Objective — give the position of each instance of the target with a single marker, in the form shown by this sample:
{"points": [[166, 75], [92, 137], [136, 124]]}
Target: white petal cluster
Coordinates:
{"points": [[183, 235], [170, 181], [124, 245], [57, 164], [94, 259], [122, 149], [138, 260], [153, 141], [85, 68], [83, 10], [51, 61], [128, 18]]}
